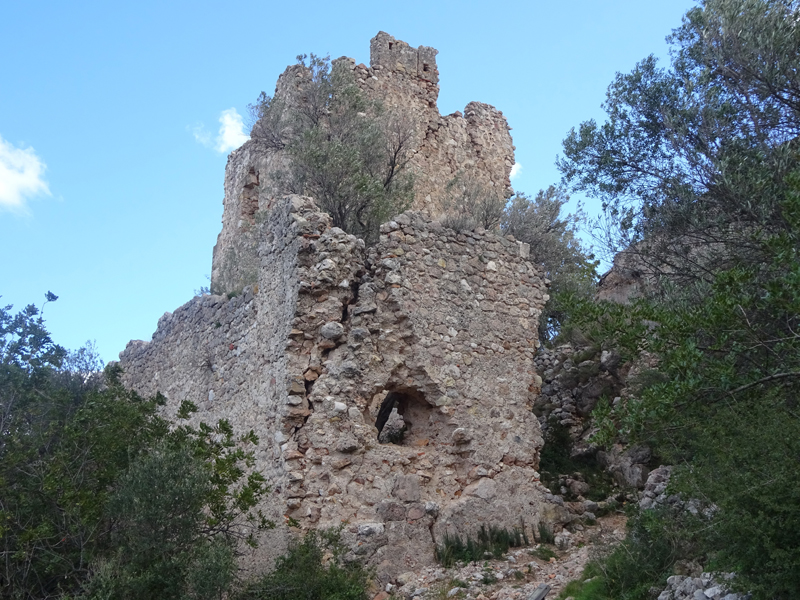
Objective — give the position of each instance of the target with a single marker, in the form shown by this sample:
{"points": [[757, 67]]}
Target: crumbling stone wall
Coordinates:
{"points": [[475, 145], [445, 321]]}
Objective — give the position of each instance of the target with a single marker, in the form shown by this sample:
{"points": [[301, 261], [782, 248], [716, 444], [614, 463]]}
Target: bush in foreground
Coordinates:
{"points": [[314, 569]]}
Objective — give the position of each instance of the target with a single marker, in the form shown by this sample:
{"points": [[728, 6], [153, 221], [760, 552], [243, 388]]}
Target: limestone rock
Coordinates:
{"points": [[332, 330]]}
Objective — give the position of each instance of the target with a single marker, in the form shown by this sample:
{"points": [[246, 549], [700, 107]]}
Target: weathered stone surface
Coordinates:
{"points": [[457, 360], [324, 330], [406, 488], [484, 488], [332, 330]]}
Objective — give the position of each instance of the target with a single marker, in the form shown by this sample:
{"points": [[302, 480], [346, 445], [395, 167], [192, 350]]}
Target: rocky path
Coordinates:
{"points": [[516, 576]]}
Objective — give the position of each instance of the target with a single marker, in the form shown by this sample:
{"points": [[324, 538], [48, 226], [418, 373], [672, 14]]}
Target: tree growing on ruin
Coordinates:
{"points": [[540, 222], [467, 204], [346, 151]]}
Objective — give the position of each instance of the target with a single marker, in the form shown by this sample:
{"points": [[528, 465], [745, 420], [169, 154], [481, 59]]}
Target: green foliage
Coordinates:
{"points": [[491, 542], [641, 562], [467, 205], [590, 588], [697, 166], [543, 552], [556, 460], [690, 161], [539, 222], [722, 402], [346, 151], [555, 245], [546, 534], [314, 569], [89, 498]]}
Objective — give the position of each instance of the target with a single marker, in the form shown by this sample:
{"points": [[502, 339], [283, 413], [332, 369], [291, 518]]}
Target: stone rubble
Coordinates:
{"points": [[513, 577], [708, 586]]}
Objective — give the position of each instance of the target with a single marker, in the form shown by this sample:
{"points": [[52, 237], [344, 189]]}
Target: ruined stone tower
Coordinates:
{"points": [[476, 144], [433, 327]]}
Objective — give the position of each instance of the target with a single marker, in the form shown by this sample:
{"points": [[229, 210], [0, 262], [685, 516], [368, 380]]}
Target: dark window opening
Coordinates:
{"points": [[425, 67], [405, 418], [390, 45]]}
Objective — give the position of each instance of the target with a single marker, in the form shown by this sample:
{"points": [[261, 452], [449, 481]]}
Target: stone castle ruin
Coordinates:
{"points": [[390, 387]]}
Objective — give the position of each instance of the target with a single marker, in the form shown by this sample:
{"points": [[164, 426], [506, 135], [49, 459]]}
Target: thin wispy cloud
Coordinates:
{"points": [[21, 176], [231, 133], [515, 170]]}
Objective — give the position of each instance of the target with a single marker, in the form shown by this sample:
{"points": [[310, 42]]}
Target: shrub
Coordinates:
{"points": [[492, 542], [556, 459], [345, 150], [641, 562], [315, 568], [546, 534], [467, 204], [543, 552], [555, 245], [98, 494]]}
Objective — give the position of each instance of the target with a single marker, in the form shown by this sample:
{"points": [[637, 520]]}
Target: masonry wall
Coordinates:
{"points": [[444, 320], [474, 145]]}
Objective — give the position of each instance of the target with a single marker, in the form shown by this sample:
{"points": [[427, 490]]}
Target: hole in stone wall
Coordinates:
{"points": [[425, 67], [354, 288], [390, 45], [405, 418]]}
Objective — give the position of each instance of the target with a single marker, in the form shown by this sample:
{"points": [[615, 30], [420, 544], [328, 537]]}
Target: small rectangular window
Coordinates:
{"points": [[425, 67]]}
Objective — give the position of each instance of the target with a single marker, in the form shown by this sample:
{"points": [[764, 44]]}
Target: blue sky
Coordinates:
{"points": [[116, 120]]}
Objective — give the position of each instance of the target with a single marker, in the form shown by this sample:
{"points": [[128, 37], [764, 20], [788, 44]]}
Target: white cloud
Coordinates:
{"points": [[515, 170], [231, 132], [202, 136], [21, 176]]}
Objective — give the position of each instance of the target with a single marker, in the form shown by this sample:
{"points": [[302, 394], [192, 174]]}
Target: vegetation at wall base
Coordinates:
{"points": [[99, 496], [315, 568], [641, 563], [556, 460], [546, 535], [491, 542]]}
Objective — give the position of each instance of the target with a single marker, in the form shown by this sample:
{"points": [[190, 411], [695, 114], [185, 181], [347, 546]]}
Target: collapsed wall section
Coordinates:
{"points": [[431, 328]]}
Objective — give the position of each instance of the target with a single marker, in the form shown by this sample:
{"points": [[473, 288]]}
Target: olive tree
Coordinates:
{"points": [[346, 151]]}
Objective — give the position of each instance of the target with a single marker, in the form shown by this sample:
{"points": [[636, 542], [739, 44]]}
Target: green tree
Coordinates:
{"points": [[692, 161], [88, 499], [721, 405], [346, 151], [555, 245], [468, 204], [697, 166]]}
